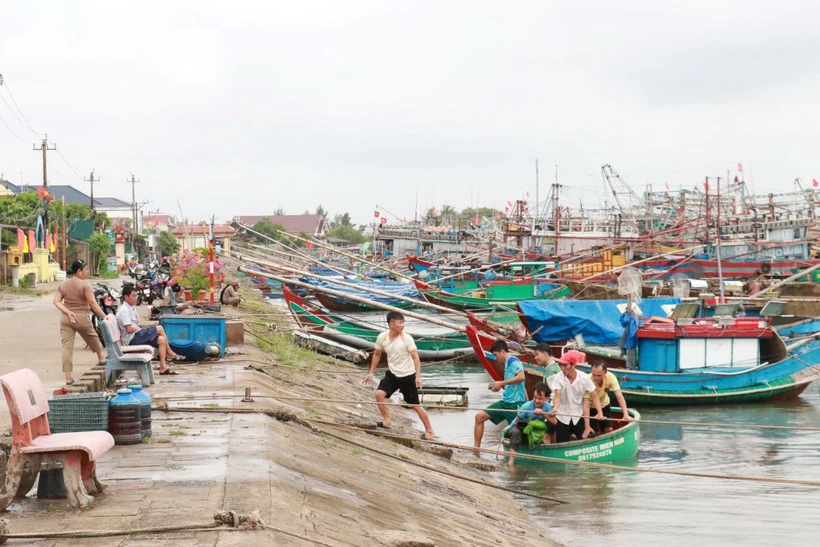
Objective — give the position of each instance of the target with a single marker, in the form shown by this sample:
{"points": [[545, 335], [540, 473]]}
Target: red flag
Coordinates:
{"points": [[498, 216], [509, 204], [528, 193], [815, 183], [737, 179], [706, 185], [667, 185], [506, 209], [384, 220], [32, 243], [475, 219], [375, 214], [740, 167]]}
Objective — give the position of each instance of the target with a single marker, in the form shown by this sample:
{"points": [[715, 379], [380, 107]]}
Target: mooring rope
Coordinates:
{"points": [[285, 415], [224, 521], [453, 407]]}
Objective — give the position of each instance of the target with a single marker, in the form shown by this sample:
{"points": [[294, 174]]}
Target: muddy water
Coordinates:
{"points": [[622, 508]]}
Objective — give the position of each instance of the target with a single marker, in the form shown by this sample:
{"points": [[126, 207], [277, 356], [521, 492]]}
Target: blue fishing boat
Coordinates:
{"points": [[694, 360], [362, 290]]}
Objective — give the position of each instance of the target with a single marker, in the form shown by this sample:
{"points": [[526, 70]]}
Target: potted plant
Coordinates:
{"points": [[192, 274]]}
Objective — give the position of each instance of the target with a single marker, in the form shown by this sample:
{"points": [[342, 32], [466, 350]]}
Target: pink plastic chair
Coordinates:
{"points": [[33, 444]]}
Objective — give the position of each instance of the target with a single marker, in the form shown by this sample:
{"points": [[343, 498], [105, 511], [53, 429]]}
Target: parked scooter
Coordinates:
{"points": [[109, 300]]}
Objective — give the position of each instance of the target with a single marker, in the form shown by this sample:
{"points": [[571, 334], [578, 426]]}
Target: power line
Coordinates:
{"points": [[28, 125], [12, 130], [16, 116]]}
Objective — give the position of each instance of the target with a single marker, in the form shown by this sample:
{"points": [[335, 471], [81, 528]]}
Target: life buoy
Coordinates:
{"points": [[765, 267]]}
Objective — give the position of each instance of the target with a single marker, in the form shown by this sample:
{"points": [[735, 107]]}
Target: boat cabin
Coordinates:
{"points": [[722, 342]]}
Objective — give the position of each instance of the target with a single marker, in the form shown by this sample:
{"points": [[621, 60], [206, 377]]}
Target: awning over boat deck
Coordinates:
{"points": [[597, 320]]}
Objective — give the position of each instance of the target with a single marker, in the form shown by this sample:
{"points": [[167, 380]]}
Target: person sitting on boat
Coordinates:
{"points": [[536, 410], [570, 405], [514, 395], [606, 383], [403, 372]]}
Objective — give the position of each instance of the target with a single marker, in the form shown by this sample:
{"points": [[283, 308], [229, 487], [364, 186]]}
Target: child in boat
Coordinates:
{"points": [[532, 411]]}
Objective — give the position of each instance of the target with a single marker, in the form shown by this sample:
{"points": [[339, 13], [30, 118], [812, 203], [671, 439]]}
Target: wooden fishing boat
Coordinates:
{"points": [[521, 283], [433, 346], [342, 305], [688, 360], [620, 444]]}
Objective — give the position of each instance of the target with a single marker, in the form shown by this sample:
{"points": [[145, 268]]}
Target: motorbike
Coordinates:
{"points": [[108, 299]]}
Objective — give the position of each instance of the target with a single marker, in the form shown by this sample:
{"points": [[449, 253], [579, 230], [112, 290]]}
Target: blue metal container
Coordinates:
{"points": [[205, 329], [145, 406]]}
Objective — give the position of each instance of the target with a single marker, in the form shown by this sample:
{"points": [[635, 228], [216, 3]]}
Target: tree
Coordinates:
{"points": [[273, 230], [167, 244], [279, 211], [101, 221], [321, 212], [100, 245], [340, 220], [348, 233]]}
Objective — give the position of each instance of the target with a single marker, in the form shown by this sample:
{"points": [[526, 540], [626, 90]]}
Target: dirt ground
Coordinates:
{"points": [[314, 488]]}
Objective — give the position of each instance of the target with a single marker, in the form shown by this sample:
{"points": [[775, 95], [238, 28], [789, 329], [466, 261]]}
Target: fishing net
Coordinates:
{"points": [[629, 284]]}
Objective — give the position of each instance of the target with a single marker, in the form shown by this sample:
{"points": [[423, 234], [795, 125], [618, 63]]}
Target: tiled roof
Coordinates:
{"points": [[10, 186], [157, 219], [71, 195], [293, 224], [108, 203]]}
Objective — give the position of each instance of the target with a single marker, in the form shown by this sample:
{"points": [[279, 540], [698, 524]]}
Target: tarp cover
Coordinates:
{"points": [[407, 290], [597, 320]]}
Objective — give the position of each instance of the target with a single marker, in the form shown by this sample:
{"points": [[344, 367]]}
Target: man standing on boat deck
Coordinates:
{"points": [[605, 383], [403, 372], [571, 404], [514, 394]]}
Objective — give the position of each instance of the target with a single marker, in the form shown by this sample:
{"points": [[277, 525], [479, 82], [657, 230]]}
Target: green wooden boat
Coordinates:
{"points": [[351, 332], [620, 444]]}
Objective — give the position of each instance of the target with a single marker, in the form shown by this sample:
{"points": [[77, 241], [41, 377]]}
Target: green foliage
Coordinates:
{"points": [[279, 211], [140, 246], [101, 221], [348, 233], [168, 244], [271, 229], [202, 252], [340, 220], [20, 209], [100, 244]]}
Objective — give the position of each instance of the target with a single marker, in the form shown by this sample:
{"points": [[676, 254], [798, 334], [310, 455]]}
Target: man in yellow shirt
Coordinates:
{"points": [[606, 383]]}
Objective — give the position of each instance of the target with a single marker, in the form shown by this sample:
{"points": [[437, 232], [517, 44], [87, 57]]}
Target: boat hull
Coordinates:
{"points": [[618, 445]]}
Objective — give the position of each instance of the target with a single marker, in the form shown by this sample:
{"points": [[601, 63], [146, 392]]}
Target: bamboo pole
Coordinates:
{"points": [[787, 280], [386, 307], [352, 286]]}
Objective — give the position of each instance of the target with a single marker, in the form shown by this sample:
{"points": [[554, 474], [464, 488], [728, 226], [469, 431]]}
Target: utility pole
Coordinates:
{"points": [[91, 180], [134, 227], [44, 147]]}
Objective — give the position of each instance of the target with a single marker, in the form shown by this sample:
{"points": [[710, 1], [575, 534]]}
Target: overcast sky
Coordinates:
{"points": [[241, 107]]}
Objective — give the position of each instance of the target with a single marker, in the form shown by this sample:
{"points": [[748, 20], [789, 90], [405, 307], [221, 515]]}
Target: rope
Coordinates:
{"points": [[284, 415], [588, 464], [453, 407], [224, 521]]}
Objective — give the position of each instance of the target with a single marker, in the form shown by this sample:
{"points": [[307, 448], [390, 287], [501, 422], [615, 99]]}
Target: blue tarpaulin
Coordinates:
{"points": [[599, 321], [407, 290]]}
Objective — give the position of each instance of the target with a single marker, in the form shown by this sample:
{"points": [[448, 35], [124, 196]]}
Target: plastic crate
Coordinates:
{"points": [[78, 412], [200, 328]]}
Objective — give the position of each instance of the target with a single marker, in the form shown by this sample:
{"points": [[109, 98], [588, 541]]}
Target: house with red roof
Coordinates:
{"points": [[191, 236], [312, 225]]}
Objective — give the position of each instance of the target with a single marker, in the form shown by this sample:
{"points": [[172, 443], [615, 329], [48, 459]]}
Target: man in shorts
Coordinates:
{"points": [[403, 372], [514, 395], [131, 334], [536, 409]]}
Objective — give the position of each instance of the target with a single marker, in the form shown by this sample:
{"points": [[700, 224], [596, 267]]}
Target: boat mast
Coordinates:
{"points": [[719, 264], [537, 211]]}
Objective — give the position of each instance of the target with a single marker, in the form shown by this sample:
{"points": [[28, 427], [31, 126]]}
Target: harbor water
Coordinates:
{"points": [[626, 508]]}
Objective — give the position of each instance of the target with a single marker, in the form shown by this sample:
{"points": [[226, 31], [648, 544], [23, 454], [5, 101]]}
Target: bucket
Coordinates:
{"points": [[145, 407], [125, 418], [51, 485]]}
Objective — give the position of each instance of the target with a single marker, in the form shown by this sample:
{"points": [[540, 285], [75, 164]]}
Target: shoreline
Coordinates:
{"points": [[300, 480]]}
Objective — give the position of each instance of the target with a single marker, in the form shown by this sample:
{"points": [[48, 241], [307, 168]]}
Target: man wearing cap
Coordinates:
{"points": [[573, 389], [514, 395]]}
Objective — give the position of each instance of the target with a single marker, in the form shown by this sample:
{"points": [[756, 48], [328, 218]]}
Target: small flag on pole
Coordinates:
{"points": [[498, 216], [528, 193], [384, 220], [740, 167], [509, 204], [667, 185], [375, 214], [815, 183]]}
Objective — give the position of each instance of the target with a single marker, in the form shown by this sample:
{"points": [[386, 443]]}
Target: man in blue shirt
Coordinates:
{"points": [[513, 397], [536, 409]]}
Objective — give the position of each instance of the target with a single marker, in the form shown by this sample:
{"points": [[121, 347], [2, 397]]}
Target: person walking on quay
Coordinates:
{"points": [[403, 372], [74, 298]]}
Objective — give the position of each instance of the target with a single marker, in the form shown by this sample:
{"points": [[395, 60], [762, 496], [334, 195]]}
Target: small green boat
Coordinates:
{"points": [[620, 444]]}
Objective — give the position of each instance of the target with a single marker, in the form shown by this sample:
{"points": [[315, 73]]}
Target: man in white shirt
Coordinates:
{"points": [[573, 390], [403, 372], [131, 334]]}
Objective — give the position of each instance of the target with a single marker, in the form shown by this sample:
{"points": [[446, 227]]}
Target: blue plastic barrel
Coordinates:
{"points": [[145, 406], [125, 418]]}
